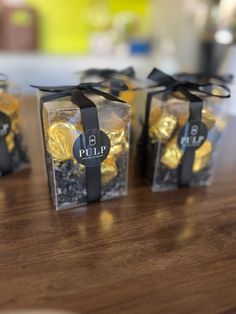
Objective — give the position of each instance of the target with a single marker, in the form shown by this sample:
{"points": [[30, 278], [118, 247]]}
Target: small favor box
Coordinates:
{"points": [[13, 155], [183, 126], [86, 138]]}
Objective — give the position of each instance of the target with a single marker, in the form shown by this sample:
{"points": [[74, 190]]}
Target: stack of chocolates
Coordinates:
{"points": [[13, 156], [184, 123], [86, 136]]}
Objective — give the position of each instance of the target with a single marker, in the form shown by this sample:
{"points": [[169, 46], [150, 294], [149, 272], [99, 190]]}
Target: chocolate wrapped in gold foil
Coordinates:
{"points": [[208, 118], [202, 156], [162, 127], [117, 134], [108, 169], [60, 140], [77, 168], [172, 154], [10, 142], [10, 106]]}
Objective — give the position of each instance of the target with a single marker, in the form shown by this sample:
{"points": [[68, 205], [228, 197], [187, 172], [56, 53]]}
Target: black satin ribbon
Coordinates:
{"points": [[169, 84], [89, 117], [5, 157], [109, 74], [204, 77]]}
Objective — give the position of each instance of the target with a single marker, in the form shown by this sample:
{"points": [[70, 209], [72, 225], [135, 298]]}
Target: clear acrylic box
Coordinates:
{"points": [[164, 156], [13, 155], [62, 125]]}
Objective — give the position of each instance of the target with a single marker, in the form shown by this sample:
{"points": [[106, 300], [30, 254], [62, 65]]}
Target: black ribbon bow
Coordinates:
{"points": [[169, 84], [204, 77], [109, 74], [78, 94]]}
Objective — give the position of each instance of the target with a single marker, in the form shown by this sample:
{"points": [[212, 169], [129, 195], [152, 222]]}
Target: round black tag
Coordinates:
{"points": [[91, 148], [192, 135], [5, 124]]}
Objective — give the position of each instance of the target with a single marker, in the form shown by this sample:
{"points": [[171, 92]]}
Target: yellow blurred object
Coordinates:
{"points": [[65, 26], [9, 104], [108, 169], [172, 154], [60, 141], [10, 142]]}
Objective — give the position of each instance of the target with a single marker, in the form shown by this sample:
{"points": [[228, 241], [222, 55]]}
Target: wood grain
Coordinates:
{"points": [[170, 252]]}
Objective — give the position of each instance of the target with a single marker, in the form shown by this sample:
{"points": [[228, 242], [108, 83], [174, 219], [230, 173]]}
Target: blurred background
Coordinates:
{"points": [[46, 42]]}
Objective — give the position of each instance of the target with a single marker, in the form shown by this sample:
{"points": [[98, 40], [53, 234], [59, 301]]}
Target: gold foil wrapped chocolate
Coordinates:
{"points": [[208, 118], [162, 127], [117, 135], [172, 154], [108, 169], [202, 156], [10, 142], [60, 140], [9, 104]]}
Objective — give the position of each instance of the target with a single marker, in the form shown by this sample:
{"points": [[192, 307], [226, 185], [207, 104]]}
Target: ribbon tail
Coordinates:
{"points": [[185, 170], [54, 88], [160, 77], [129, 71], [5, 160]]}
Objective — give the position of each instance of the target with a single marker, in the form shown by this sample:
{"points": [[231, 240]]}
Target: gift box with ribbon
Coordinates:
{"points": [[86, 138], [183, 124], [13, 153]]}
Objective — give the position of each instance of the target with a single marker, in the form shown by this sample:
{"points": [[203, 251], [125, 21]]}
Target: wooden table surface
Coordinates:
{"points": [[170, 252]]}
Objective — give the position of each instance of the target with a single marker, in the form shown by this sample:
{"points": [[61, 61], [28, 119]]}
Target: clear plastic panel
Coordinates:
{"points": [[67, 178], [167, 118]]}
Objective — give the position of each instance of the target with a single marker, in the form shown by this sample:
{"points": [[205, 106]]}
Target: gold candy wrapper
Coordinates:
{"points": [[208, 118], [161, 127], [117, 135], [202, 156], [172, 154], [60, 140], [10, 106], [108, 169], [10, 142], [61, 137]]}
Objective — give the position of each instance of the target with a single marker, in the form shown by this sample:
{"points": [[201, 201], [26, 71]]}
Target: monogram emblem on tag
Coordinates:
{"points": [[91, 148], [192, 135]]}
